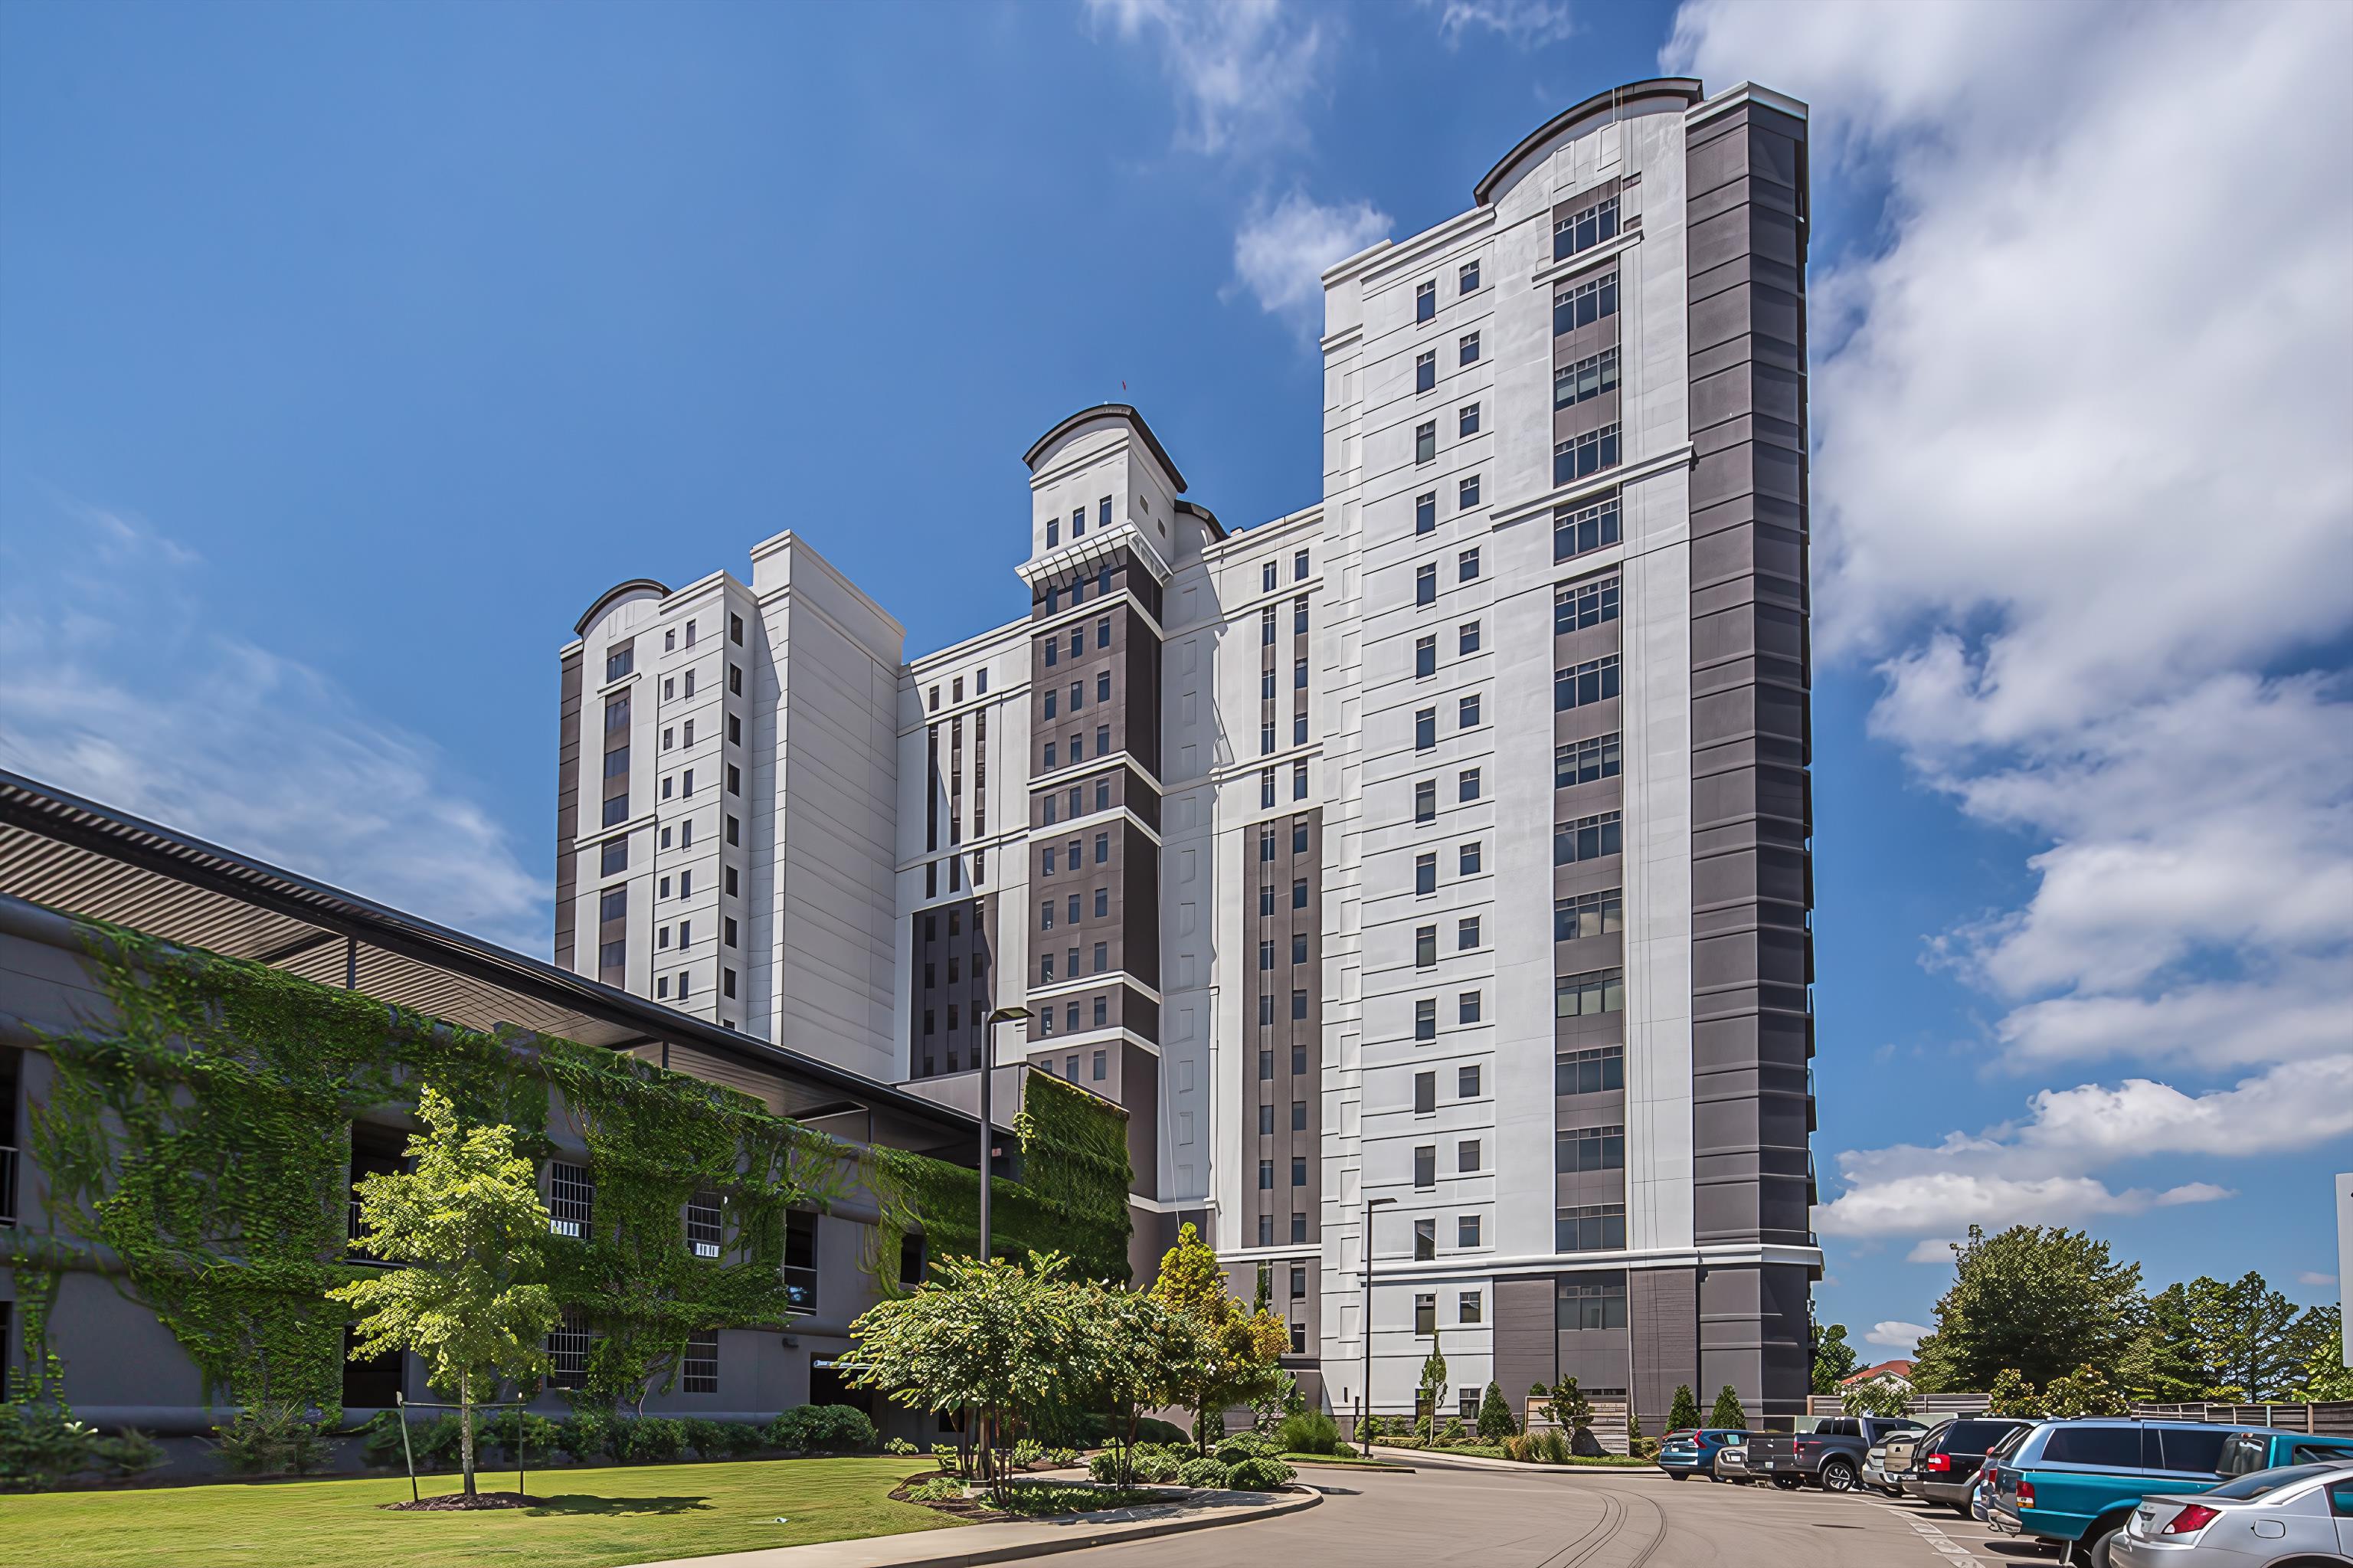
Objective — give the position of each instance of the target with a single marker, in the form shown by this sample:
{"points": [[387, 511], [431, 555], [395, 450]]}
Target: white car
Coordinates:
{"points": [[2293, 1514], [1732, 1465]]}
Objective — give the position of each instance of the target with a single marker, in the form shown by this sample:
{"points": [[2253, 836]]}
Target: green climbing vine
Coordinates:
{"points": [[199, 1151]]}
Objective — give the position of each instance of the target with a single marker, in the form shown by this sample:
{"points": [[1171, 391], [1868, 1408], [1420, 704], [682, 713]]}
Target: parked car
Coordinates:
{"points": [[1732, 1463], [2078, 1482], [1890, 1459], [1989, 1474], [1683, 1454], [1945, 1463], [2293, 1515], [1830, 1455]]}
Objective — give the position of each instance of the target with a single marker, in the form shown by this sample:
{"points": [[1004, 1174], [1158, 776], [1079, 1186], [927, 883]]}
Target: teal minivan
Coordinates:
{"points": [[2076, 1482]]}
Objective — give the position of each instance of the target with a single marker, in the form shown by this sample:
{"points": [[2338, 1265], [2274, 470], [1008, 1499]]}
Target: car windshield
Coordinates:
{"points": [[2264, 1482]]}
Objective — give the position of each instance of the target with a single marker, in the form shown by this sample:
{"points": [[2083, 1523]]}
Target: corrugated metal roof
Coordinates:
{"points": [[81, 858]]}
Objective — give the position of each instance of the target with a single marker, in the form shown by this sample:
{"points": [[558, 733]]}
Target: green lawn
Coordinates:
{"points": [[595, 1519]]}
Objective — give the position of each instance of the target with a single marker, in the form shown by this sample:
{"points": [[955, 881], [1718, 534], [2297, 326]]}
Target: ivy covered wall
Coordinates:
{"points": [[204, 1141]]}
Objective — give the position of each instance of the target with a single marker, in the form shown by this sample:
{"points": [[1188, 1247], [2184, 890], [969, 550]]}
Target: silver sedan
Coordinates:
{"points": [[2294, 1513]]}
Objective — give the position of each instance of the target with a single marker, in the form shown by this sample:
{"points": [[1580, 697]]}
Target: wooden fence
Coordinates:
{"points": [[2332, 1418]]}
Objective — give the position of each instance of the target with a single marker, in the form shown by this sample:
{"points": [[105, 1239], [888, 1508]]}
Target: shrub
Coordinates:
{"points": [[1104, 1466], [950, 1457], [1240, 1446], [649, 1439], [262, 1438], [1150, 1429], [899, 1447], [1027, 1452], [128, 1452], [1495, 1416], [1062, 1458], [41, 1446], [1158, 1465], [936, 1489], [1309, 1432], [707, 1438], [1683, 1411], [585, 1434], [1727, 1412], [510, 1430], [1452, 1433], [379, 1437], [1369, 1430], [812, 1428], [1259, 1475], [1210, 1473]]}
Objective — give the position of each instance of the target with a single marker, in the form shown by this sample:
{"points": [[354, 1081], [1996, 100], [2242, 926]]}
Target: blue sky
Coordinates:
{"points": [[347, 353]]}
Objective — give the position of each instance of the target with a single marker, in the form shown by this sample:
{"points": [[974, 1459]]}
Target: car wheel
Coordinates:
{"points": [[1839, 1477], [1788, 1483], [1891, 1491], [1672, 1475]]}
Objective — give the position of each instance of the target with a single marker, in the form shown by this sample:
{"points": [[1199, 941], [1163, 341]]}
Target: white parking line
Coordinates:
{"points": [[1932, 1536]]}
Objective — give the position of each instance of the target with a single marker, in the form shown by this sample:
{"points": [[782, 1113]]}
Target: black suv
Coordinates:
{"points": [[1944, 1465]]}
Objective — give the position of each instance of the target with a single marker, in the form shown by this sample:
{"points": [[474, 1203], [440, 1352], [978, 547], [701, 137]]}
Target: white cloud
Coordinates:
{"points": [[1524, 23], [1898, 1336], [1281, 251], [1243, 70], [1932, 1249], [2314, 1276], [2085, 500], [118, 689]]}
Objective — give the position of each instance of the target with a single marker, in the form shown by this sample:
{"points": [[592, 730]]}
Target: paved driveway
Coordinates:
{"points": [[1583, 1519]]}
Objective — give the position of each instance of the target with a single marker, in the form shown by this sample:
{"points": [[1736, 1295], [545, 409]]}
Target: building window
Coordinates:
{"points": [[1466, 566], [1467, 278], [1298, 1331], [1425, 1018], [1299, 1116], [1102, 512], [1425, 658], [1298, 1004], [1466, 1154], [1584, 229], [1588, 1149], [570, 1199], [1425, 585], [1579, 1305], [1425, 938], [1589, 915], [1298, 893], [1078, 522], [1586, 380], [1425, 1229], [1467, 419], [1425, 1314], [568, 1345], [1585, 995], [1589, 453], [1466, 784], [1299, 780], [800, 1260], [704, 1226], [1467, 1304], [1425, 441], [1298, 1171], [1589, 1072], [1425, 302], [1425, 729], [620, 659], [1466, 715], [1466, 1007], [1598, 1228], [1584, 761], [1425, 1094], [1575, 686], [613, 904], [1466, 1084], [1466, 349], [1578, 606], [1266, 1230], [1466, 493], [1584, 304], [736, 679], [1466, 933], [1266, 1175], [1425, 371], [1299, 947], [1298, 1282], [1425, 800], [1466, 1235], [613, 857], [1425, 512], [1425, 874]]}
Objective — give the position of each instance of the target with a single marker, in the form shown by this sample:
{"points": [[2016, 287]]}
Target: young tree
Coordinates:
{"points": [[1495, 1421], [1145, 1356], [467, 1223], [1568, 1406], [1727, 1413], [1244, 1348], [1007, 1342], [2010, 1394], [1430, 1393], [2042, 1300], [1683, 1412], [1834, 1359]]}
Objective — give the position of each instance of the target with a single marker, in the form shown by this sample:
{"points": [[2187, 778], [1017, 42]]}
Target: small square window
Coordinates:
{"points": [[1467, 1307], [1466, 566], [1425, 585], [1466, 639], [1466, 1085], [1466, 497], [1468, 858], [1425, 302], [1466, 1230], [1466, 933], [1425, 800], [1467, 278], [1467, 419], [1467, 350], [1467, 712], [1466, 1153], [1425, 441], [1425, 371], [1466, 784], [1425, 512], [1467, 1006]]}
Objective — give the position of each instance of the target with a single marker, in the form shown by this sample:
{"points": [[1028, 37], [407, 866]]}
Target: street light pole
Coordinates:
{"points": [[988, 1132], [1370, 1204]]}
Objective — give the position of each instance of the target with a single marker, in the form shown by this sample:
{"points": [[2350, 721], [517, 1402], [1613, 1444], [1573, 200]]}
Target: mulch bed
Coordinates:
{"points": [[978, 1511], [456, 1502]]}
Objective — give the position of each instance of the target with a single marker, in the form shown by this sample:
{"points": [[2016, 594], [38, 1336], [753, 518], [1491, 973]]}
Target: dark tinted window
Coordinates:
{"points": [[2244, 1451], [2263, 1482], [2117, 1447], [1973, 1437], [2198, 1450], [2008, 1444]]}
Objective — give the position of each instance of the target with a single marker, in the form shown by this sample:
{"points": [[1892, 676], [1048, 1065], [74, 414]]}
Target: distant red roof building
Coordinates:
{"points": [[1894, 1372]]}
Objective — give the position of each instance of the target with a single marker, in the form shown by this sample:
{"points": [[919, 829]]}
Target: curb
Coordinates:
{"points": [[1377, 1466], [1106, 1532], [1441, 1460]]}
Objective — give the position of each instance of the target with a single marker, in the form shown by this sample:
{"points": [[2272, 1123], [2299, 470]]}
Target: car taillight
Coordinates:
{"points": [[1936, 1461], [2191, 1519], [2025, 1492], [1806, 1443]]}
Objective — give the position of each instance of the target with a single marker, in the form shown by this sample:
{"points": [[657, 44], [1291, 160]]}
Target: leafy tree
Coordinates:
{"points": [[2042, 1300], [2245, 1335], [1430, 1393], [1727, 1413], [1145, 1356], [1008, 1343], [2010, 1394], [2084, 1392], [1834, 1359], [1878, 1396], [2163, 1363], [1568, 1407], [2324, 1374], [1495, 1416], [468, 1223], [1683, 1411], [1244, 1348]]}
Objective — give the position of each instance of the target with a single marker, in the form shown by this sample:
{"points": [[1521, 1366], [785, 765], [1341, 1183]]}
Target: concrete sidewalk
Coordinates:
{"points": [[967, 1545]]}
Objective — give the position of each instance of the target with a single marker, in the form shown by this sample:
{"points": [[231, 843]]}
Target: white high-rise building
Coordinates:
{"points": [[1437, 853]]}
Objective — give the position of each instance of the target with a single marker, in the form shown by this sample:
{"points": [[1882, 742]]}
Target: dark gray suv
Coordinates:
{"points": [[1945, 1466]]}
